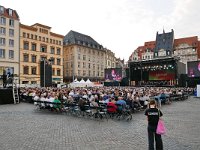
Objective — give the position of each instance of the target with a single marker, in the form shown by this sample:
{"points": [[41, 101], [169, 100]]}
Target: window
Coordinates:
{"points": [[3, 21], [1, 9], [3, 31], [11, 23], [43, 48], [58, 51], [53, 72], [79, 72], [84, 73], [2, 53], [28, 35], [33, 47], [26, 69], [83, 65], [11, 54], [58, 61], [58, 72], [39, 38], [79, 64], [25, 82], [10, 12], [93, 73], [24, 35], [52, 61], [26, 45], [31, 36], [93, 66], [43, 39], [52, 50], [11, 43], [79, 56], [89, 73], [33, 82], [25, 57], [33, 58], [33, 70], [84, 57], [11, 32], [2, 41], [88, 65]]}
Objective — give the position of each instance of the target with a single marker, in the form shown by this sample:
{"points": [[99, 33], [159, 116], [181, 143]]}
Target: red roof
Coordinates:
{"points": [[193, 41]]}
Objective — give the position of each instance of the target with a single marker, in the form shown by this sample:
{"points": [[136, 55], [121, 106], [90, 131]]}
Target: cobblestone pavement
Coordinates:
{"points": [[22, 128]]}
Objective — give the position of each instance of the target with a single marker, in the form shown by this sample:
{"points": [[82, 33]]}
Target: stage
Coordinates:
{"points": [[156, 72]]}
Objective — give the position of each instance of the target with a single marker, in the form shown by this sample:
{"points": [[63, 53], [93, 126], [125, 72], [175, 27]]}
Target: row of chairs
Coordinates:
{"points": [[87, 111]]}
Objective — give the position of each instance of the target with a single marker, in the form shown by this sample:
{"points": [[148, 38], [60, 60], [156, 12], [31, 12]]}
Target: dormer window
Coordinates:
{"points": [[10, 12], [1, 9]]}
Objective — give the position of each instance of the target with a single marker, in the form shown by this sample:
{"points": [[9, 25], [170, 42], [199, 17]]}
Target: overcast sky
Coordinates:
{"points": [[119, 25]]}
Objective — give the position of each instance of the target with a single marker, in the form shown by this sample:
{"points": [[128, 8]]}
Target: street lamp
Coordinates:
{"points": [[141, 73]]}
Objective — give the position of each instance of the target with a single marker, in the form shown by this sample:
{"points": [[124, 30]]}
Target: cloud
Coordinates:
{"points": [[119, 25]]}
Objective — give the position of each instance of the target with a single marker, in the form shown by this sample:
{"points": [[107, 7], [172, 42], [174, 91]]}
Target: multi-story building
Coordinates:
{"points": [[83, 58], [145, 52], [38, 43], [186, 49], [110, 59], [9, 41]]}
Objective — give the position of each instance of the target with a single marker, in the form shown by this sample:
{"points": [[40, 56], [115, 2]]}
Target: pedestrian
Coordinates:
{"points": [[4, 79], [153, 115]]}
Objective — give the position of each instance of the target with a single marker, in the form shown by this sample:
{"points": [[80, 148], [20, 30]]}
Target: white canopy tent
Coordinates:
{"points": [[81, 83]]}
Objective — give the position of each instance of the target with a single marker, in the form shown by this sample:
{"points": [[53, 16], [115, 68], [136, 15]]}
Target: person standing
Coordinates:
{"points": [[4, 79], [153, 115]]}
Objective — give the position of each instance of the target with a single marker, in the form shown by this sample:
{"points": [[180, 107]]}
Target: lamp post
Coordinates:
{"points": [[141, 73], [44, 71]]}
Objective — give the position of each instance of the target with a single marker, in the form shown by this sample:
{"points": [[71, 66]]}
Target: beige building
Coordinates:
{"points": [[110, 60], [83, 58], [37, 43], [9, 42]]}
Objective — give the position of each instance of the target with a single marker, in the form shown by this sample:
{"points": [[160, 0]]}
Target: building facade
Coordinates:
{"points": [[83, 58], [164, 44], [186, 49], [110, 59], [38, 43], [9, 42]]}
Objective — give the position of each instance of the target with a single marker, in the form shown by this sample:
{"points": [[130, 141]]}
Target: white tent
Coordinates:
{"points": [[89, 83], [82, 81]]}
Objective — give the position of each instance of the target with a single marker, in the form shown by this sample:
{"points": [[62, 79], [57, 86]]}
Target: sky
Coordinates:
{"points": [[118, 25]]}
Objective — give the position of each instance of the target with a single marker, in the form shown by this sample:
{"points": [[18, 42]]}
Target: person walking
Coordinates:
{"points": [[153, 115]]}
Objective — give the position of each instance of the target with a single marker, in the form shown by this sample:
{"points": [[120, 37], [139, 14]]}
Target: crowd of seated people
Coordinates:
{"points": [[115, 98]]}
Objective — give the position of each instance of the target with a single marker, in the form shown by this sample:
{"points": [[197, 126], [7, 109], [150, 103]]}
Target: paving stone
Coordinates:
{"points": [[23, 128]]}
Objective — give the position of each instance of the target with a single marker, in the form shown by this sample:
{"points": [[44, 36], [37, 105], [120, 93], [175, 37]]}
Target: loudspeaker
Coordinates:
{"points": [[45, 74], [183, 80]]}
